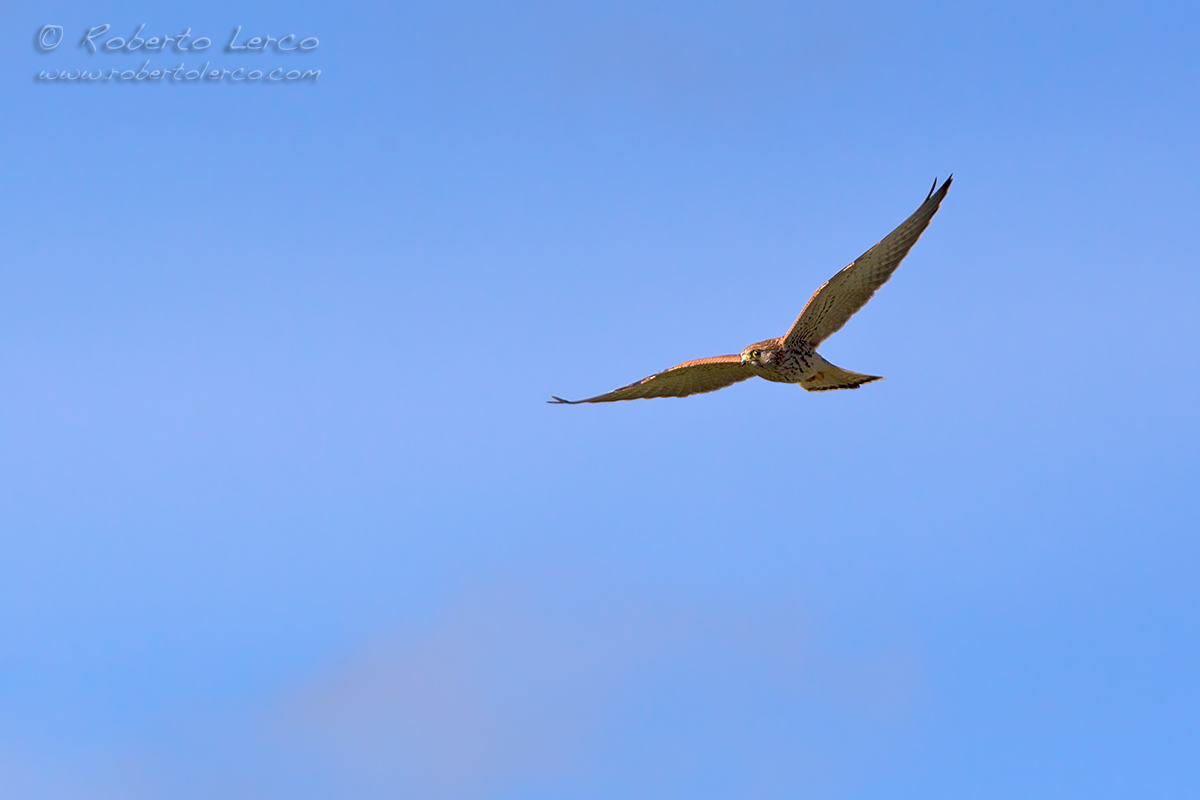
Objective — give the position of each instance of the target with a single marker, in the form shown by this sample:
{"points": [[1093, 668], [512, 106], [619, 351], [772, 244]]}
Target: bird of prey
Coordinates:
{"points": [[793, 357]]}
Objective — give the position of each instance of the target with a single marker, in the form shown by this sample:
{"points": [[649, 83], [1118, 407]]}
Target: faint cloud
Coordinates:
{"points": [[481, 697], [503, 692], [40, 773], [554, 689]]}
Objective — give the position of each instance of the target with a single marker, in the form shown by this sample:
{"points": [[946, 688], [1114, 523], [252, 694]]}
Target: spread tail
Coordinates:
{"points": [[829, 377]]}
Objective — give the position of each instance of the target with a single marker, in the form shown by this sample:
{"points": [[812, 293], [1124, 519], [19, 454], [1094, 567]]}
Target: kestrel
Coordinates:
{"points": [[793, 357]]}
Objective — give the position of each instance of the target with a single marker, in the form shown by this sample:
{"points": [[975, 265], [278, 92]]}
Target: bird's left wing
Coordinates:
{"points": [[849, 290], [690, 377]]}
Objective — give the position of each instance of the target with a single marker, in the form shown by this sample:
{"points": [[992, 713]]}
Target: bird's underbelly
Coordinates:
{"points": [[791, 366]]}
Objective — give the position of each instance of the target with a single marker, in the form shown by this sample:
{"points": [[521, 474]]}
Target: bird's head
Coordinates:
{"points": [[761, 354]]}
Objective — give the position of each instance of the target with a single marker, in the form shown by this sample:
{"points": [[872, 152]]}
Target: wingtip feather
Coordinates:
{"points": [[945, 185]]}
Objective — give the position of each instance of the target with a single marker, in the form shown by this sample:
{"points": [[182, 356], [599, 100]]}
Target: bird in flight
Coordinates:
{"points": [[793, 357]]}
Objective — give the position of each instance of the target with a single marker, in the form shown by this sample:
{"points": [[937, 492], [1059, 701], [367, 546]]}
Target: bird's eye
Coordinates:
{"points": [[755, 353]]}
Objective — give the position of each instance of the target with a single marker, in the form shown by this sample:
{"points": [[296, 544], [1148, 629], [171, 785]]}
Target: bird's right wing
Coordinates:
{"points": [[690, 377]]}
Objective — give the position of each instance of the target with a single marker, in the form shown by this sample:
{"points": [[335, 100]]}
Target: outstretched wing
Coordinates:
{"points": [[849, 290], [690, 377]]}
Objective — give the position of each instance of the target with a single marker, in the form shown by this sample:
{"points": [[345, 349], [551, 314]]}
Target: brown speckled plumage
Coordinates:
{"points": [[793, 357]]}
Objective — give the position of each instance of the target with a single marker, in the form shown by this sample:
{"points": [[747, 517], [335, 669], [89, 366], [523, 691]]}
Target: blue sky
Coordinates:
{"points": [[283, 512]]}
